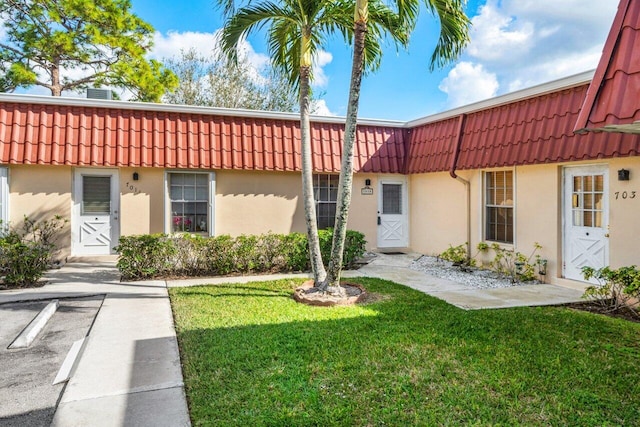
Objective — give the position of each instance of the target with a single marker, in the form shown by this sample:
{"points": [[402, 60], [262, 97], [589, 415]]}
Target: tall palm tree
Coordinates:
{"points": [[454, 35], [296, 29]]}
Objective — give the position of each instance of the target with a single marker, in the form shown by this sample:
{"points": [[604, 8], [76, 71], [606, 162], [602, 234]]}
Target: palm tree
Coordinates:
{"points": [[296, 29], [454, 36]]}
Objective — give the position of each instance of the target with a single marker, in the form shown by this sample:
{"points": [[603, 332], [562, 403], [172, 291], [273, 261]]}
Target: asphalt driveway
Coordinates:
{"points": [[26, 391]]}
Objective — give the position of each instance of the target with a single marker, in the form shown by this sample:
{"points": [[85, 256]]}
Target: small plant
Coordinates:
{"points": [[516, 265], [458, 256], [616, 289], [26, 252]]}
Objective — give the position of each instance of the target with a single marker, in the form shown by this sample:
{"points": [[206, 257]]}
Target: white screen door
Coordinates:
{"points": [[586, 219], [95, 212], [393, 224]]}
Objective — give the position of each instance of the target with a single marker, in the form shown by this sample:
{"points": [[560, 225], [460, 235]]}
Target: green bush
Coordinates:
{"points": [[161, 255], [458, 256], [516, 265], [616, 289], [26, 252]]}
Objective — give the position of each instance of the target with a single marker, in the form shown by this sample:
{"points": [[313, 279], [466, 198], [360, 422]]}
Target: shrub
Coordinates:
{"points": [[516, 265], [616, 289], [144, 256], [458, 256], [161, 255], [26, 252]]}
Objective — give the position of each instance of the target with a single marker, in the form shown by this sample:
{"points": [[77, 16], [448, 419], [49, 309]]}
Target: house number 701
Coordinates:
{"points": [[625, 195], [132, 188]]}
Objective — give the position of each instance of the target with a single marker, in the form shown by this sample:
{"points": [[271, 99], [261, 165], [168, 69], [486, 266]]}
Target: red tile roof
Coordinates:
{"points": [[528, 127], [55, 134], [530, 131], [612, 101]]}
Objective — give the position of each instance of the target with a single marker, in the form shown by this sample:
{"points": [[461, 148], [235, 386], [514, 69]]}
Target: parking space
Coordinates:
{"points": [[26, 391]]}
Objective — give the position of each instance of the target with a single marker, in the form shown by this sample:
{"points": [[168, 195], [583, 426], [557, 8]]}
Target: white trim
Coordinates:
{"points": [[114, 217], [404, 182], [211, 231], [508, 98], [585, 169], [187, 109], [4, 195], [483, 204], [552, 86]]}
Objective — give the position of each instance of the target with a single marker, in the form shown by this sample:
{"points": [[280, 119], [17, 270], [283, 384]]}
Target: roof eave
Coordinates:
{"points": [[531, 92], [582, 122], [183, 109]]}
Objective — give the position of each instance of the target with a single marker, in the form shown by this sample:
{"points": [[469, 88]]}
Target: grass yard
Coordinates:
{"points": [[252, 356]]}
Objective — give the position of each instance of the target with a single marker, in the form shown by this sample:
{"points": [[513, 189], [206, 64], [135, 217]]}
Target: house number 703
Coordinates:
{"points": [[625, 195]]}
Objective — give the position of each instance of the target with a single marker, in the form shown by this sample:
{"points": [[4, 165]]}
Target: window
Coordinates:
{"points": [[325, 190], [189, 199], [587, 200], [96, 195], [499, 206], [392, 199], [4, 196]]}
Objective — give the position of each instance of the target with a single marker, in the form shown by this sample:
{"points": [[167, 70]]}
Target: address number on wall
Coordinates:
{"points": [[624, 195]]}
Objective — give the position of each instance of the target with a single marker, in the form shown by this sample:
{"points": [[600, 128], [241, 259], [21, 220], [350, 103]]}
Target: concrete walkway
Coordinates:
{"points": [[129, 373], [396, 268]]}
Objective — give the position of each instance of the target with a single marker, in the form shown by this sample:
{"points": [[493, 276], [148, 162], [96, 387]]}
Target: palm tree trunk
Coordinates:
{"points": [[319, 272], [346, 171]]}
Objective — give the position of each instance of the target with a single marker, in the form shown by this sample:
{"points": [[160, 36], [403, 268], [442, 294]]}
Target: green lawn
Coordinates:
{"points": [[252, 356]]}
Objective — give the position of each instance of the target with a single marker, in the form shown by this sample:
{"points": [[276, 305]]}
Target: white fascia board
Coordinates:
{"points": [[533, 91], [185, 109], [518, 95]]}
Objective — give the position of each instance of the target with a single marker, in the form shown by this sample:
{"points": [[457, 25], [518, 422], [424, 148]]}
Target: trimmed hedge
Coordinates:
{"points": [[161, 255]]}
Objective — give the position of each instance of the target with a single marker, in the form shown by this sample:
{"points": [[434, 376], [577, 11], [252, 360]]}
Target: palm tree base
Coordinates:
{"points": [[345, 294]]}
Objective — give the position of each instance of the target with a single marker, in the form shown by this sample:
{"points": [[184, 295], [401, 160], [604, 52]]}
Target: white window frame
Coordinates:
{"points": [[168, 226], [4, 196], [318, 179], [485, 206]]}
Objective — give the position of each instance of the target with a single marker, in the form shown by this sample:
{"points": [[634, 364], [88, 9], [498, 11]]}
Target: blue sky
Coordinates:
{"points": [[514, 44]]}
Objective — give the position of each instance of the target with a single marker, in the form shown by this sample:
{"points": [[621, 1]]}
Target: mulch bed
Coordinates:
{"points": [[593, 307]]}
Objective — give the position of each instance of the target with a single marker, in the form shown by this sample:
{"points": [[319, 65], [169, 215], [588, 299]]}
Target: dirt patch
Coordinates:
{"points": [[593, 307], [354, 294], [38, 284]]}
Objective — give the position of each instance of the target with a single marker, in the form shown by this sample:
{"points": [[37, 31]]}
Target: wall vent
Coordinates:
{"points": [[93, 93]]}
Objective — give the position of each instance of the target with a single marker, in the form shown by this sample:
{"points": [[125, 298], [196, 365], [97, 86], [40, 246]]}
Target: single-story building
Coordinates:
{"points": [[556, 164]]}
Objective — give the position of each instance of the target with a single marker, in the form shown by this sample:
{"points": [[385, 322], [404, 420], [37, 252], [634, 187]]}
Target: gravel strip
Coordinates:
{"points": [[477, 278]]}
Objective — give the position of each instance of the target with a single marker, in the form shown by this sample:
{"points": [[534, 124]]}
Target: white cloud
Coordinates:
{"points": [[170, 45], [528, 42], [467, 83], [321, 59], [319, 107], [493, 33]]}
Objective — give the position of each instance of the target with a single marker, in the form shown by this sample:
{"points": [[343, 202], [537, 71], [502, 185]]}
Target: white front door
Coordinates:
{"points": [[94, 224], [586, 219], [393, 219]]}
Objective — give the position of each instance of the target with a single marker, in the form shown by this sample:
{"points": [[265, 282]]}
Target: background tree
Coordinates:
{"points": [[69, 45], [216, 81], [454, 35]]}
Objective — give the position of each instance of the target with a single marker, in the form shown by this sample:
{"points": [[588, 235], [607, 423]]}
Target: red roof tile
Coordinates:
{"points": [[612, 100], [38, 133], [536, 130], [530, 131]]}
